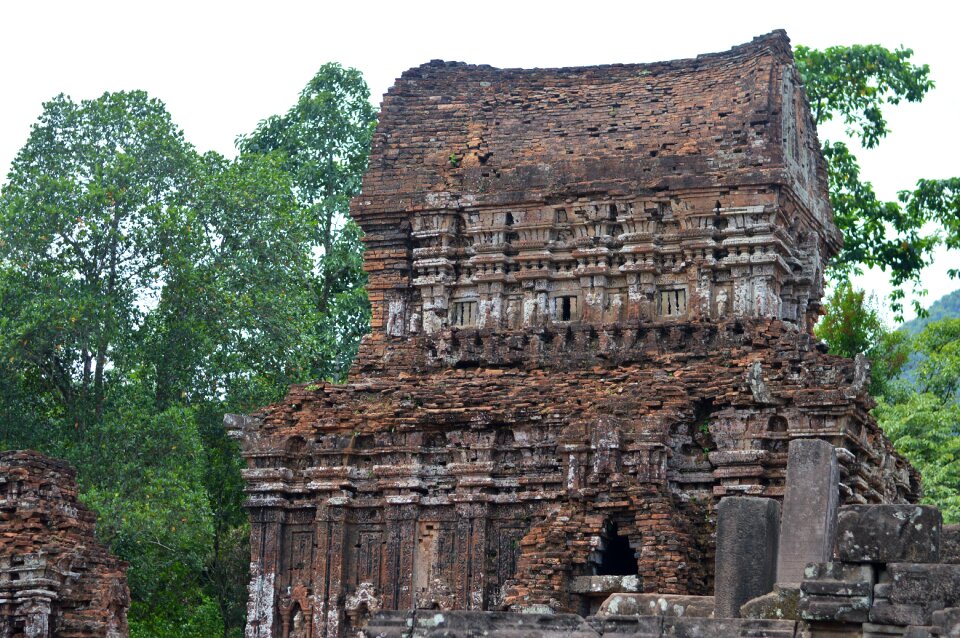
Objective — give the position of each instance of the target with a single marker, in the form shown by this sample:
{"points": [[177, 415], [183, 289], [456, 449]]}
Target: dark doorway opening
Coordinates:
{"points": [[617, 558]]}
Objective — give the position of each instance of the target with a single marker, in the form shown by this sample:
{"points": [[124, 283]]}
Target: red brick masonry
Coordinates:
{"points": [[592, 292], [55, 578]]}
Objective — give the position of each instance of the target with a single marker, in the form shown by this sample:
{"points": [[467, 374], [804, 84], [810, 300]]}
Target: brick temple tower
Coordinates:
{"points": [[593, 291]]}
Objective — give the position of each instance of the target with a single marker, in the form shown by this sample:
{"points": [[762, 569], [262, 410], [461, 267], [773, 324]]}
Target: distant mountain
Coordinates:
{"points": [[946, 307]]}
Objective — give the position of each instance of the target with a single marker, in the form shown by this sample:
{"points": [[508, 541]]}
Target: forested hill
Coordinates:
{"points": [[946, 307]]}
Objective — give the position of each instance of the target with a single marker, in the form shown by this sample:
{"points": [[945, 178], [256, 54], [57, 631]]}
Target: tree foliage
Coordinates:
{"points": [[923, 419], [852, 325], [854, 84], [939, 369], [322, 143], [147, 290], [920, 413], [81, 220], [924, 428]]}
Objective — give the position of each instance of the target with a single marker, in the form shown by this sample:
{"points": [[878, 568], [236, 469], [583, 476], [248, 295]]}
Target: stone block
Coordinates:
{"points": [[947, 621], [809, 521], [838, 579], [871, 630], [780, 604], [390, 624], [820, 630], [747, 540], [836, 592], [457, 624], [889, 533], [950, 544], [884, 612], [625, 626], [604, 584], [767, 628], [657, 605], [701, 627], [837, 588], [924, 583], [848, 609]]}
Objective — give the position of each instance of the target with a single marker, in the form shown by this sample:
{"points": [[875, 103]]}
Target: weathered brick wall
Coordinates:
{"points": [[496, 482], [55, 578], [495, 195], [592, 292]]}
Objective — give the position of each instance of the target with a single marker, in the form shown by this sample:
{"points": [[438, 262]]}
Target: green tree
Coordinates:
{"points": [[322, 142], [235, 303], [229, 333], [924, 428], [147, 290], [84, 252], [923, 420], [938, 372], [854, 84], [852, 325], [318, 152], [80, 219], [143, 474]]}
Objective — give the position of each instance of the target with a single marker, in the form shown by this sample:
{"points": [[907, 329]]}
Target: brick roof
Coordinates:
{"points": [[507, 135]]}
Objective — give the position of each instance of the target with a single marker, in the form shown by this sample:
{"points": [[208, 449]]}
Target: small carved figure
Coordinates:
{"points": [[529, 311], [364, 600], [395, 313], [513, 313], [360, 605], [722, 302]]}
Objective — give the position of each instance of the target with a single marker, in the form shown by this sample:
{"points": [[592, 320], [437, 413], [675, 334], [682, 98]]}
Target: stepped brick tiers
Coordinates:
{"points": [[592, 292], [56, 580]]}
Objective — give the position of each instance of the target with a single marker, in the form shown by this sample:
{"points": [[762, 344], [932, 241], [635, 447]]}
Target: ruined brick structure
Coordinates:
{"points": [[55, 578], [592, 295]]}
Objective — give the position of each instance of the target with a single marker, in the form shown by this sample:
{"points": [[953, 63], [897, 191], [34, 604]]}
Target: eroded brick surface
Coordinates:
{"points": [[592, 292], [55, 578]]}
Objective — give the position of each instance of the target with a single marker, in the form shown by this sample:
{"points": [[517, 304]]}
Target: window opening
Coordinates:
{"points": [[617, 558], [777, 423], [672, 303], [464, 313], [564, 308]]}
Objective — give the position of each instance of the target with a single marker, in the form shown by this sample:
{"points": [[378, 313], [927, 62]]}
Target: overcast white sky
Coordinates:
{"points": [[223, 66]]}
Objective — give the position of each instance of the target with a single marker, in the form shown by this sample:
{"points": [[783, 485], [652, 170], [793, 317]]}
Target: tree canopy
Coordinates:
{"points": [[852, 325], [922, 415], [854, 84], [148, 289], [322, 142]]}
